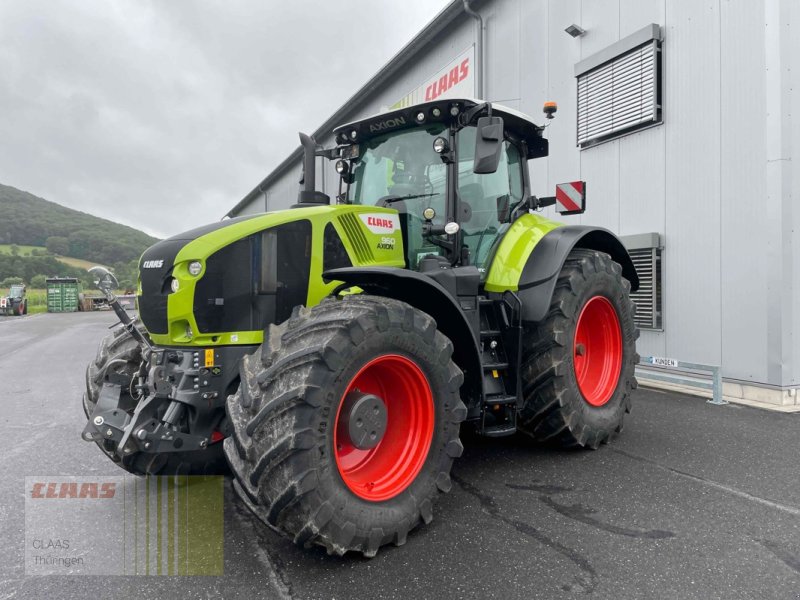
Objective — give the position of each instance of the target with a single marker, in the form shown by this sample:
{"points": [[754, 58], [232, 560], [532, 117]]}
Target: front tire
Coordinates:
{"points": [[578, 363], [298, 457]]}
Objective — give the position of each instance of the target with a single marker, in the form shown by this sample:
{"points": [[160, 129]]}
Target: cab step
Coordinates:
{"points": [[503, 430], [500, 399], [495, 366]]}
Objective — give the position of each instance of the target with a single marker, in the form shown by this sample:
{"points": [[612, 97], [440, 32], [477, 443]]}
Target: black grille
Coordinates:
{"points": [[286, 266], [334, 255], [155, 270], [255, 281], [223, 297]]}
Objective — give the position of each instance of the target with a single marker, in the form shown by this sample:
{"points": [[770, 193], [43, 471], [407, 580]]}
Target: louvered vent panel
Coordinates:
{"points": [[620, 95], [352, 228], [648, 297]]}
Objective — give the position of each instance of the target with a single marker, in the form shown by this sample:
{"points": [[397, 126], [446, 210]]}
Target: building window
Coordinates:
{"points": [[619, 88], [645, 251]]}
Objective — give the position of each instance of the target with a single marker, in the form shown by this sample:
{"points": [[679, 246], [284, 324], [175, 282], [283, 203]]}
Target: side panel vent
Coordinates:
{"points": [[646, 253], [358, 241]]}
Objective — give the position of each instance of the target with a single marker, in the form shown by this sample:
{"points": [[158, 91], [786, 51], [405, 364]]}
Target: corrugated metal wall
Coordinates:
{"points": [[715, 179]]}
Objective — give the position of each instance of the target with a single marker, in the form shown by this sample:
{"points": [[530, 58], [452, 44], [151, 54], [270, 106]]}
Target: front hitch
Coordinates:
{"points": [[152, 427]]}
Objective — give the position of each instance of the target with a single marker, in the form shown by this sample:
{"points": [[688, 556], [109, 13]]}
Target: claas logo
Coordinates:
{"points": [[70, 489], [379, 222], [450, 79]]}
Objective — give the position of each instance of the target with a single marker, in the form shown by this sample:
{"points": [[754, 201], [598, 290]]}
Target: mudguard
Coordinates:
{"points": [[422, 292], [538, 278]]}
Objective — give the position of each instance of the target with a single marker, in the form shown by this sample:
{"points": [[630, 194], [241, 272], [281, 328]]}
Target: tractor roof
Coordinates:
{"points": [[519, 124]]}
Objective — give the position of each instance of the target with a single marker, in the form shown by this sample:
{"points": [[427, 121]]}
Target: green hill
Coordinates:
{"points": [[28, 220], [36, 235]]}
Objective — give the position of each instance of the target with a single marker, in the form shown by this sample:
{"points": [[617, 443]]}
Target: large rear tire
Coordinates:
{"points": [[578, 363], [296, 452], [119, 353]]}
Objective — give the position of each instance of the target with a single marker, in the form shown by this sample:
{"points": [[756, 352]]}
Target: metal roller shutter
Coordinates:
{"points": [[619, 95]]}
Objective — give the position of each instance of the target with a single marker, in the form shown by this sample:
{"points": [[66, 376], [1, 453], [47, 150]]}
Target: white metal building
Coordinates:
{"points": [[679, 116]]}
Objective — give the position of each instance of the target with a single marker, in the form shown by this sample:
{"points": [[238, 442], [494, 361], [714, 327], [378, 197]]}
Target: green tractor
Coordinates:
{"points": [[332, 353]]}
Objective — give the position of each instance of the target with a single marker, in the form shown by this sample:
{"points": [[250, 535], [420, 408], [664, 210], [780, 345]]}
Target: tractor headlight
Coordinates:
{"points": [[189, 333], [342, 167], [195, 267], [451, 228], [420, 117], [174, 285], [440, 145]]}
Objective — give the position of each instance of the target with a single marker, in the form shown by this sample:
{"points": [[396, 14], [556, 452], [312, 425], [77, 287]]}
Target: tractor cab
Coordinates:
{"points": [[455, 170]]}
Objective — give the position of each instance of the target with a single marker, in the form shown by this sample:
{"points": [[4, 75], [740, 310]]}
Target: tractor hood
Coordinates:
{"points": [[222, 284]]}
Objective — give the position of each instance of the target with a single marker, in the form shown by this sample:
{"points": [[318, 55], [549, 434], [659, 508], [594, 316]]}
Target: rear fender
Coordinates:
{"points": [[538, 278]]}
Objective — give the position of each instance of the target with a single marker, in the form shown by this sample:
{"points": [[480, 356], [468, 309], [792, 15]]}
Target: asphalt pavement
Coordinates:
{"points": [[691, 501]]}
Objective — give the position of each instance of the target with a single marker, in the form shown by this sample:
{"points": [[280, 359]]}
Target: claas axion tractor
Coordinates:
{"points": [[330, 354]]}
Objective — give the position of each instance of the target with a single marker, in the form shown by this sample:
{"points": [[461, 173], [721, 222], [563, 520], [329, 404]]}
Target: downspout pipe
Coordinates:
{"points": [[478, 49]]}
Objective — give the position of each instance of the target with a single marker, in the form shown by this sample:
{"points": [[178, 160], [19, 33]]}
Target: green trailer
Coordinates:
{"points": [[62, 294]]}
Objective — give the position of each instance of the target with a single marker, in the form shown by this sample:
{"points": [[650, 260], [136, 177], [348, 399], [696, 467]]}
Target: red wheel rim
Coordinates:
{"points": [[382, 472], [597, 352]]}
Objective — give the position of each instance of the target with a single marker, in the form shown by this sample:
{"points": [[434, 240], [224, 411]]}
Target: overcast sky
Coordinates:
{"points": [[164, 114]]}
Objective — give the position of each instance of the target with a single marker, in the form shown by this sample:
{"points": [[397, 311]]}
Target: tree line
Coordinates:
{"points": [[30, 220]]}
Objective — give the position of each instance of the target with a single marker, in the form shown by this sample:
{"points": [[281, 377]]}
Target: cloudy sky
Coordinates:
{"points": [[164, 114]]}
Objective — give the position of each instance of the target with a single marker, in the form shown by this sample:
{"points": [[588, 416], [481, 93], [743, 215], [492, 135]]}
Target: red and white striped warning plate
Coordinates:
{"points": [[571, 197]]}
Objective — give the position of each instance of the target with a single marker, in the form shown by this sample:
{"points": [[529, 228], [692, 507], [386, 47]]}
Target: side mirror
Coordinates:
{"points": [[104, 279], [488, 144]]}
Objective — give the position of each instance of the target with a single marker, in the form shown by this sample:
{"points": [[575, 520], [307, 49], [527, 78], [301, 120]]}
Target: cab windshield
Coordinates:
{"points": [[400, 169], [402, 166]]}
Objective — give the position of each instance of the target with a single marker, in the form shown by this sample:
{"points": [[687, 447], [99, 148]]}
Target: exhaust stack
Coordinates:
{"points": [[308, 195]]}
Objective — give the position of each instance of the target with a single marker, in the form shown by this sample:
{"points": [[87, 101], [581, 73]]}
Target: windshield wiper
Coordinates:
{"points": [[391, 199]]}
